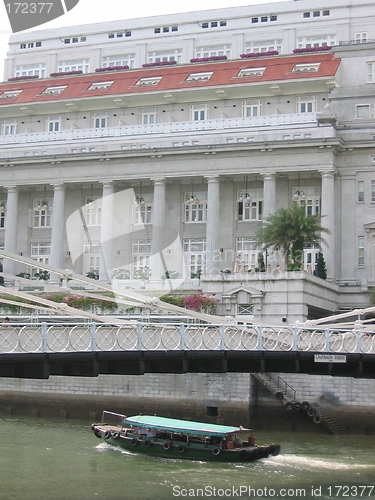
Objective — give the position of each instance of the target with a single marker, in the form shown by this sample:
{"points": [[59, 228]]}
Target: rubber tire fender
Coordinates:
{"points": [[317, 418], [148, 443], [244, 455], [181, 449], [289, 406], [311, 412], [115, 435], [97, 433], [134, 442], [167, 445], [305, 405], [297, 405], [279, 396], [216, 451], [276, 450], [107, 434]]}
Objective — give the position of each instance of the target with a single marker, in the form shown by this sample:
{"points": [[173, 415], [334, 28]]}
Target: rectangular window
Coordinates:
{"points": [[76, 65], [247, 253], [142, 213], [363, 111], [361, 251], [251, 108], [53, 90], [370, 72], [306, 104], [141, 250], [360, 37], [10, 94], [198, 112], [250, 205], [100, 120], [306, 68], [31, 70], [91, 257], [254, 20], [100, 86], [53, 123], [148, 116], [9, 127], [119, 60], [194, 255], [148, 82], [93, 211], [41, 253], [372, 191], [199, 77], [361, 191], [42, 213], [316, 13], [195, 207], [250, 72]]}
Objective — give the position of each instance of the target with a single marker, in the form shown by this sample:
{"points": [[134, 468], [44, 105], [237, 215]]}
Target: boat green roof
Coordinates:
{"points": [[182, 426]]}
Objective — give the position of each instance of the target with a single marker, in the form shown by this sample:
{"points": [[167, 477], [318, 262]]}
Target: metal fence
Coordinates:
{"points": [[52, 338]]}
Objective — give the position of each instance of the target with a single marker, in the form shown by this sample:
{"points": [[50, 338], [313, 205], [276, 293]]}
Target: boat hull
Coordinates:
{"points": [[182, 450]]}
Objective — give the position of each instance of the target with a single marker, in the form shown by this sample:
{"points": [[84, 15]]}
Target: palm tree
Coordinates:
{"points": [[290, 230]]}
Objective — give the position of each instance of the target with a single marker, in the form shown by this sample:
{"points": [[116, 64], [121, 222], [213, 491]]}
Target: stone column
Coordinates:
{"points": [[158, 230], [328, 220], [269, 195], [58, 227], [11, 221], [106, 232], [212, 226]]}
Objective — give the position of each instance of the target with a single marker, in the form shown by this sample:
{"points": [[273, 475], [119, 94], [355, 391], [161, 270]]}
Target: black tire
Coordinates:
{"points": [[279, 396], [305, 405], [317, 418], [115, 435], [244, 455], [216, 451], [148, 443], [97, 433], [107, 434], [289, 406], [252, 455], [181, 449], [311, 412], [167, 445], [297, 405], [134, 442]]}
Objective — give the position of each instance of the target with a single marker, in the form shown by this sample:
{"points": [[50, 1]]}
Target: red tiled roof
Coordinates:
{"points": [[173, 77]]}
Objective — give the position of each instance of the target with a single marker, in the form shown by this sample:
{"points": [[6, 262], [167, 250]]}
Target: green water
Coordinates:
{"points": [[63, 460]]}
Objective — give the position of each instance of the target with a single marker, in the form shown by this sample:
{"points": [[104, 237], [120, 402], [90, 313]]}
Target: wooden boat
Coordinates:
{"points": [[173, 438]]}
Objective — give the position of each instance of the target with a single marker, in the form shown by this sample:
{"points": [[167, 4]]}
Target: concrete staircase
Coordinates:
{"points": [[286, 394]]}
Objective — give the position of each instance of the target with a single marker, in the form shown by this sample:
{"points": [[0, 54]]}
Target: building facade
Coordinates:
{"points": [[161, 144]]}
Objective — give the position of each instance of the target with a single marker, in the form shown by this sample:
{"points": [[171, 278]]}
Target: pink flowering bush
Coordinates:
{"points": [[111, 68], [25, 77], [208, 59], [159, 63], [198, 302], [67, 73], [311, 49], [260, 54]]}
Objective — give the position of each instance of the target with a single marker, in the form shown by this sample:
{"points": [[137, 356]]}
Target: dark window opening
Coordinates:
{"points": [[212, 411]]}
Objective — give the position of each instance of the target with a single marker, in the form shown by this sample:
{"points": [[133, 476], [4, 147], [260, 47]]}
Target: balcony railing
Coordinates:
{"points": [[167, 129]]}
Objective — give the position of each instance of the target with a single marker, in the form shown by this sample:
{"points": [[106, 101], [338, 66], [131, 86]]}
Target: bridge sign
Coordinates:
{"points": [[330, 358]]}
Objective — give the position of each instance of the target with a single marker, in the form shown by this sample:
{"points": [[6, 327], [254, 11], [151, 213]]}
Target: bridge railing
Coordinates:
{"points": [[136, 336]]}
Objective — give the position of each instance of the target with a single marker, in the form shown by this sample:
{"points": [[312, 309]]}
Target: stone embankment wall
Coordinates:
{"points": [[222, 398]]}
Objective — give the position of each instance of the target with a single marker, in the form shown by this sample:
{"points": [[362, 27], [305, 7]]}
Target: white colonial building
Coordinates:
{"points": [[176, 136]]}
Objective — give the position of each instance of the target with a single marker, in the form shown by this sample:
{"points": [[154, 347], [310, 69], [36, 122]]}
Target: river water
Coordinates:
{"points": [[62, 460]]}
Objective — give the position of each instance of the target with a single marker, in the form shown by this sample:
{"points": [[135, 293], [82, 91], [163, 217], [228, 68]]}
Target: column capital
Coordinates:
{"points": [[328, 172], [159, 181], [59, 186], [212, 178]]}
